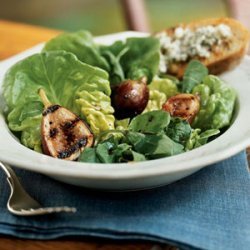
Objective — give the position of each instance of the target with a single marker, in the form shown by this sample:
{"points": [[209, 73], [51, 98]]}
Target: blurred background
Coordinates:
{"points": [[108, 16]]}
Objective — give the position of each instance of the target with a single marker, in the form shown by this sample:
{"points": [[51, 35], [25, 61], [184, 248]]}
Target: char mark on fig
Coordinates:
{"points": [[72, 149], [69, 124], [51, 109], [67, 129], [53, 132]]}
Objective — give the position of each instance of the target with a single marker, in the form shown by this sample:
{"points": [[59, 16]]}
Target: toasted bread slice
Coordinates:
{"points": [[224, 56]]}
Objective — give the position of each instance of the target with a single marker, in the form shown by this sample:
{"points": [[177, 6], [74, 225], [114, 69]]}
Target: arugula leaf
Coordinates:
{"points": [[204, 136], [105, 153], [136, 156], [165, 147], [89, 155], [145, 139], [179, 130], [134, 138], [151, 122], [111, 150], [194, 74], [198, 139], [154, 146], [121, 152]]}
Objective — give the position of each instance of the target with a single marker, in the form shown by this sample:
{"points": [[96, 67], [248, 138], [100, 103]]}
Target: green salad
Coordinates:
{"points": [[118, 99]]}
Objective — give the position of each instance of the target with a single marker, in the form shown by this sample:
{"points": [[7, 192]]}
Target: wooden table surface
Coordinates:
{"points": [[14, 38]]}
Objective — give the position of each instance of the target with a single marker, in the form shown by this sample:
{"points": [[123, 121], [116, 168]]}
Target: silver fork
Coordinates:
{"points": [[20, 202]]}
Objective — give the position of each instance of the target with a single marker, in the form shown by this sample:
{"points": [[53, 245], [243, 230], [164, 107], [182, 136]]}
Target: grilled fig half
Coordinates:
{"points": [[184, 106], [64, 134]]}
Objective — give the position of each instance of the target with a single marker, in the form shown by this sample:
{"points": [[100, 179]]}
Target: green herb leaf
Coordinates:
{"points": [[142, 58], [179, 130], [151, 122], [137, 156], [116, 73], [194, 74], [137, 57], [198, 139], [89, 155], [154, 146], [104, 152], [120, 153], [134, 138]]}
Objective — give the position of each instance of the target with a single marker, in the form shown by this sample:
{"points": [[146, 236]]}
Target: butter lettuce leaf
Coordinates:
{"points": [[132, 59], [217, 104], [66, 80], [96, 107], [164, 85], [81, 44], [160, 89], [155, 101]]}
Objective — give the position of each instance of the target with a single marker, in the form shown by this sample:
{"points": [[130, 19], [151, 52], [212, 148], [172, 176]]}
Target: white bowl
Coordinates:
{"points": [[130, 176]]}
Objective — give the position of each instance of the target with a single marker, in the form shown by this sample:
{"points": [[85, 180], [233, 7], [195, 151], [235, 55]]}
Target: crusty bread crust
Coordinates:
{"points": [[223, 57]]}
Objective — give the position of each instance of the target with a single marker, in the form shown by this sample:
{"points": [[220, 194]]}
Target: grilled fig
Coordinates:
{"points": [[185, 106], [130, 98], [64, 135]]}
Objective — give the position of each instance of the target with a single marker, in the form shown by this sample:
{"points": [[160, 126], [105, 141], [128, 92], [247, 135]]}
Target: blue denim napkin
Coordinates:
{"points": [[208, 210]]}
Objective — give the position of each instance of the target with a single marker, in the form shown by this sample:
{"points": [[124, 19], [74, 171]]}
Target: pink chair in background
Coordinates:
{"points": [[240, 9], [136, 14]]}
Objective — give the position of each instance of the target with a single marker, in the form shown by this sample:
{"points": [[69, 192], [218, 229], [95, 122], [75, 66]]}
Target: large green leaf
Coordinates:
{"points": [[137, 57], [81, 44], [66, 81], [132, 59]]}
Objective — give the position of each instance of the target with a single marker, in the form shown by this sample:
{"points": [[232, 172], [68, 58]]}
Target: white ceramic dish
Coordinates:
{"points": [[134, 175]]}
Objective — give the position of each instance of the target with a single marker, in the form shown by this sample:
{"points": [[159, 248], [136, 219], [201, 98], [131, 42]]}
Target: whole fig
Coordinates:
{"points": [[130, 98]]}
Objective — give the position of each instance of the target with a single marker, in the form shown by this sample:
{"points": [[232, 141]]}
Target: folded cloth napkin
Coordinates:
{"points": [[208, 210]]}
